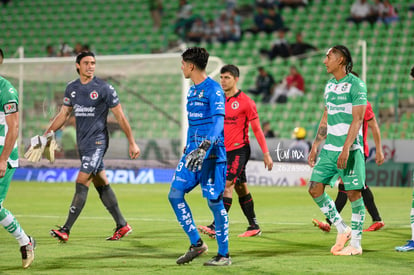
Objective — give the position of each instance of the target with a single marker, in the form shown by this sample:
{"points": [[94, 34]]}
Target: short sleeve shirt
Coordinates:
{"points": [[240, 111], [91, 103], [340, 97], [9, 104]]}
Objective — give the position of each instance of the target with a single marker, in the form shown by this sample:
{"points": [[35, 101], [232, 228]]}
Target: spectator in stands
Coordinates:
{"points": [[267, 131], [65, 50], [50, 51], [211, 32], [230, 31], [292, 3], [299, 149], [273, 21], [78, 48], [259, 21], [377, 10], [196, 33], [184, 18], [292, 85], [280, 47], [361, 11], [390, 14], [231, 5], [264, 85], [300, 48], [156, 8]]}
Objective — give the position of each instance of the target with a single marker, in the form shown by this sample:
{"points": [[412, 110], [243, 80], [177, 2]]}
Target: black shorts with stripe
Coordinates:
{"points": [[236, 164]]}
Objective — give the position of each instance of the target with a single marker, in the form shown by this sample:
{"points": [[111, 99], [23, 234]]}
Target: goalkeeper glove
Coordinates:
{"points": [[37, 146], [194, 160], [51, 146]]}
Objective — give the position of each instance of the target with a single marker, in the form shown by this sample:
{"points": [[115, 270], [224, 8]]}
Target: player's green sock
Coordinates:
{"points": [[327, 206], [357, 221], [9, 222]]}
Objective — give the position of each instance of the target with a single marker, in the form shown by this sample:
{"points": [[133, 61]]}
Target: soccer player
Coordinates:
{"points": [[240, 112], [9, 161], [368, 197], [204, 158], [410, 243], [90, 99], [345, 103]]}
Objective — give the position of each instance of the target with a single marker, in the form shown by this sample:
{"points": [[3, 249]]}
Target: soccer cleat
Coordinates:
{"points": [[120, 232], [192, 253], [405, 248], [322, 225], [341, 240], [62, 234], [218, 261], [208, 230], [27, 252], [349, 251], [375, 226], [251, 231]]}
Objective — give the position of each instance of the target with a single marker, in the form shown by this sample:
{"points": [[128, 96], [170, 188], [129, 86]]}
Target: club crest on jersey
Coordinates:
{"points": [[201, 94], [235, 105], [94, 95], [344, 87]]}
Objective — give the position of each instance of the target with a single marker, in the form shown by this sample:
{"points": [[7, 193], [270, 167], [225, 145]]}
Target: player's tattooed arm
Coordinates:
{"points": [[323, 128]]}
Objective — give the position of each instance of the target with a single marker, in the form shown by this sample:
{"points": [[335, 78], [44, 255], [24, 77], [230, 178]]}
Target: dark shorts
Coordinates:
{"points": [[236, 164], [92, 160]]}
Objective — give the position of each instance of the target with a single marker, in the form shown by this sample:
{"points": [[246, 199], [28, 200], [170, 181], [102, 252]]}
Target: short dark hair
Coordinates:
{"points": [[342, 50], [230, 68], [1, 53], [412, 72], [82, 55], [197, 56]]}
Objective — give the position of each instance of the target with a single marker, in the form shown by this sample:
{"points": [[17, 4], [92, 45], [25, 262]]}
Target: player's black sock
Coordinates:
{"points": [[227, 203], [108, 198], [78, 202], [247, 206], [370, 204]]}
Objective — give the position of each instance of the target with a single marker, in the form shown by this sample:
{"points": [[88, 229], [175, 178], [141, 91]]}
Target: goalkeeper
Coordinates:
{"points": [[90, 99], [204, 158]]}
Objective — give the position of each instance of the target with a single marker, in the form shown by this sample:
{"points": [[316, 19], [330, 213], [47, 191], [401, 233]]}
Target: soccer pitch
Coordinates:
{"points": [[289, 243]]}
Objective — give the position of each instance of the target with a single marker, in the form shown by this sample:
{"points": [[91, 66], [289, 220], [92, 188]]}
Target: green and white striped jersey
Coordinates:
{"points": [[340, 97], [9, 100]]}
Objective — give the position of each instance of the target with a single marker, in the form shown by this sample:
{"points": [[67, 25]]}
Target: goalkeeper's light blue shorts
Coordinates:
{"points": [[211, 177]]}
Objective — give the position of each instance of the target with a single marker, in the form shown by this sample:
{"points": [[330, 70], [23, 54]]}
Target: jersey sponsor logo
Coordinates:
{"points": [[10, 108], [342, 98], [94, 95], [83, 110], [197, 103], [73, 94], [195, 115], [235, 105]]}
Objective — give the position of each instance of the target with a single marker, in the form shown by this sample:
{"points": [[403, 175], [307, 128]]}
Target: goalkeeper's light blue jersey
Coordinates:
{"points": [[204, 101], [91, 103], [9, 101]]}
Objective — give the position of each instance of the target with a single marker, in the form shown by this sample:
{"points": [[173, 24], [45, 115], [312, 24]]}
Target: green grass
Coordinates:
{"points": [[289, 243]]}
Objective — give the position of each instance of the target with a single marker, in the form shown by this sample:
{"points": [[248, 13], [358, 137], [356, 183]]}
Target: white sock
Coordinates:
{"points": [[340, 226], [412, 224], [13, 227]]}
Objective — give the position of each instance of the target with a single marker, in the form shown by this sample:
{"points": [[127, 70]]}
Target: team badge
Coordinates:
{"points": [[201, 94], [66, 100], [94, 95], [10, 108], [235, 105]]}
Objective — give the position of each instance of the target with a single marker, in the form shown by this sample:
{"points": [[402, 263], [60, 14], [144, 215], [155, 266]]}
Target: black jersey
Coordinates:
{"points": [[91, 103]]}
